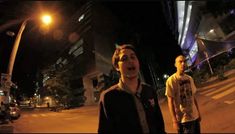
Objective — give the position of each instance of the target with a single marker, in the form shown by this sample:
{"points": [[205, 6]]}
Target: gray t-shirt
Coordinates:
{"points": [[182, 90]]}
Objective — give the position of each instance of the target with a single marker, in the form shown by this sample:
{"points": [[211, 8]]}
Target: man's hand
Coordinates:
{"points": [[176, 125]]}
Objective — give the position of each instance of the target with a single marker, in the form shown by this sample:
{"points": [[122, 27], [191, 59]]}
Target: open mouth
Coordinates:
{"points": [[131, 68]]}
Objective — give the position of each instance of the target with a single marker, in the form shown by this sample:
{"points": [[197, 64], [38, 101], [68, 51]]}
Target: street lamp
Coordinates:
{"points": [[46, 19], [15, 49]]}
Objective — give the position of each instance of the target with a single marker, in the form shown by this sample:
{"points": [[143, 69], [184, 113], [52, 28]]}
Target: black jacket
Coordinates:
{"points": [[118, 113]]}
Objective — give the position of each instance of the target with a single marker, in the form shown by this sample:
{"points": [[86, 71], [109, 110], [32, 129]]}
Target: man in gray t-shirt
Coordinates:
{"points": [[180, 91]]}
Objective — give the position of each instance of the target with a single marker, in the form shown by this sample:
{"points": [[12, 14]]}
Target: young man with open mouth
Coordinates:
{"points": [[130, 106]]}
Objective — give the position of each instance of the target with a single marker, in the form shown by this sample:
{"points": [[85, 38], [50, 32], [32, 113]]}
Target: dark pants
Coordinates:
{"points": [[192, 127]]}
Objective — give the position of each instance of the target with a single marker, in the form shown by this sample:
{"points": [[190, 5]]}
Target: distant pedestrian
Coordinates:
{"points": [[180, 91], [129, 106], [3, 108], [48, 104]]}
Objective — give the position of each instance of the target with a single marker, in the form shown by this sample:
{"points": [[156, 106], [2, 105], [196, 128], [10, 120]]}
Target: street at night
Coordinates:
{"points": [[217, 115], [63, 62]]}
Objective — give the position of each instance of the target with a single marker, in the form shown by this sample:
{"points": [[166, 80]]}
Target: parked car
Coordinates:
{"points": [[14, 110]]}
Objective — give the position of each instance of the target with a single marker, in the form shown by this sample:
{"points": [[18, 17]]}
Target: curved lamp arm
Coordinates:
{"points": [[15, 47]]}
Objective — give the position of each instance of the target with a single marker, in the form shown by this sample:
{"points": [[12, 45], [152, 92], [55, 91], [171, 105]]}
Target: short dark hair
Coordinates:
{"points": [[115, 58], [179, 56]]}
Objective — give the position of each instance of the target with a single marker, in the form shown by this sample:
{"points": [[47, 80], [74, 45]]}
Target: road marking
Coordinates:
{"points": [[43, 115], [229, 102], [224, 93], [207, 91], [34, 115], [70, 118], [217, 84], [220, 89]]}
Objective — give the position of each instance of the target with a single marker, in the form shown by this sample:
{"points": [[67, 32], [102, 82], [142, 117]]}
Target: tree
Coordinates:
{"points": [[62, 83], [58, 86]]}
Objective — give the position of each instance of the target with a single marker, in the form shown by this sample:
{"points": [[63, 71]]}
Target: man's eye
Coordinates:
{"points": [[124, 58], [133, 57]]}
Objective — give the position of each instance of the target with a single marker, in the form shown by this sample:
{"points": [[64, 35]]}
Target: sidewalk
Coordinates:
{"points": [[214, 82], [167, 117], [6, 128]]}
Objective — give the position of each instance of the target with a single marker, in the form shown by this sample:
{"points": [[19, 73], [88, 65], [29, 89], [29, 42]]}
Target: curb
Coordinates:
{"points": [[6, 129]]}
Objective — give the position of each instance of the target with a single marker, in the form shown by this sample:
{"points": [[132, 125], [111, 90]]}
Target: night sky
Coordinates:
{"points": [[148, 21], [145, 19]]}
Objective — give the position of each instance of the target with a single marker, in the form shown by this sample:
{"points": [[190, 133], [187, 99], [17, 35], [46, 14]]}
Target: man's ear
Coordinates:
{"points": [[175, 65]]}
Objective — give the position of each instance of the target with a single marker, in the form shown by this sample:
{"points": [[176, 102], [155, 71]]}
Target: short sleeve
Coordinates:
{"points": [[193, 86], [169, 88]]}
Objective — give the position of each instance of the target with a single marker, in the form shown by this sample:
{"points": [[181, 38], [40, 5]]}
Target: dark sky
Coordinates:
{"points": [[147, 19], [144, 18], [35, 49]]}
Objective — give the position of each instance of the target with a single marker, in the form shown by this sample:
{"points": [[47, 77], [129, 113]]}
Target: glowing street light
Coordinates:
{"points": [[212, 31], [47, 20], [165, 76]]}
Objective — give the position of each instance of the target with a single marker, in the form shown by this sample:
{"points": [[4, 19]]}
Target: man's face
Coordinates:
{"points": [[180, 63], [128, 64]]}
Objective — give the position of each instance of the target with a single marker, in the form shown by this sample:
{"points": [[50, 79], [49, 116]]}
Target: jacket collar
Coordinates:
{"points": [[125, 88]]}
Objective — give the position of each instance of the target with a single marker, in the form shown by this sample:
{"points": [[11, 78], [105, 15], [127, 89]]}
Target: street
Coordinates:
{"points": [[216, 103], [80, 120], [62, 54]]}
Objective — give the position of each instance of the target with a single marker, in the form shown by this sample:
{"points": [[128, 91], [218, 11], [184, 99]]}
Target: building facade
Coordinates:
{"points": [[91, 42], [193, 22]]}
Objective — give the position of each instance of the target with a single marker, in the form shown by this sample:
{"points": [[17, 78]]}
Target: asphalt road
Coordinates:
{"points": [[217, 106]]}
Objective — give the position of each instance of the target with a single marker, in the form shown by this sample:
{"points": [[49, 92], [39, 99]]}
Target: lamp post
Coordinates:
{"points": [[205, 53], [15, 49]]}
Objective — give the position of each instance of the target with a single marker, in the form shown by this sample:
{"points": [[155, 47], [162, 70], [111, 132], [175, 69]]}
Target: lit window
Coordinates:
{"points": [[2, 93], [65, 61], [76, 46], [59, 60], [77, 52], [211, 31], [186, 25], [194, 50], [180, 8], [81, 17]]}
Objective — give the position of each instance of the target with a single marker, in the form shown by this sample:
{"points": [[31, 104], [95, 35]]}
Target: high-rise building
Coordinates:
{"points": [[91, 32], [193, 22]]}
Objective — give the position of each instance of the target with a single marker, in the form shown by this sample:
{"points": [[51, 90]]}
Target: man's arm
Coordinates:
{"points": [[172, 112], [195, 101]]}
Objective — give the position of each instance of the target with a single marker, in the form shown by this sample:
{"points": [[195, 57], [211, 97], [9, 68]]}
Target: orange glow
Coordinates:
{"points": [[46, 19]]}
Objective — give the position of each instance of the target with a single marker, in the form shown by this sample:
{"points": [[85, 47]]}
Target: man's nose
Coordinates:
{"points": [[131, 60]]}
